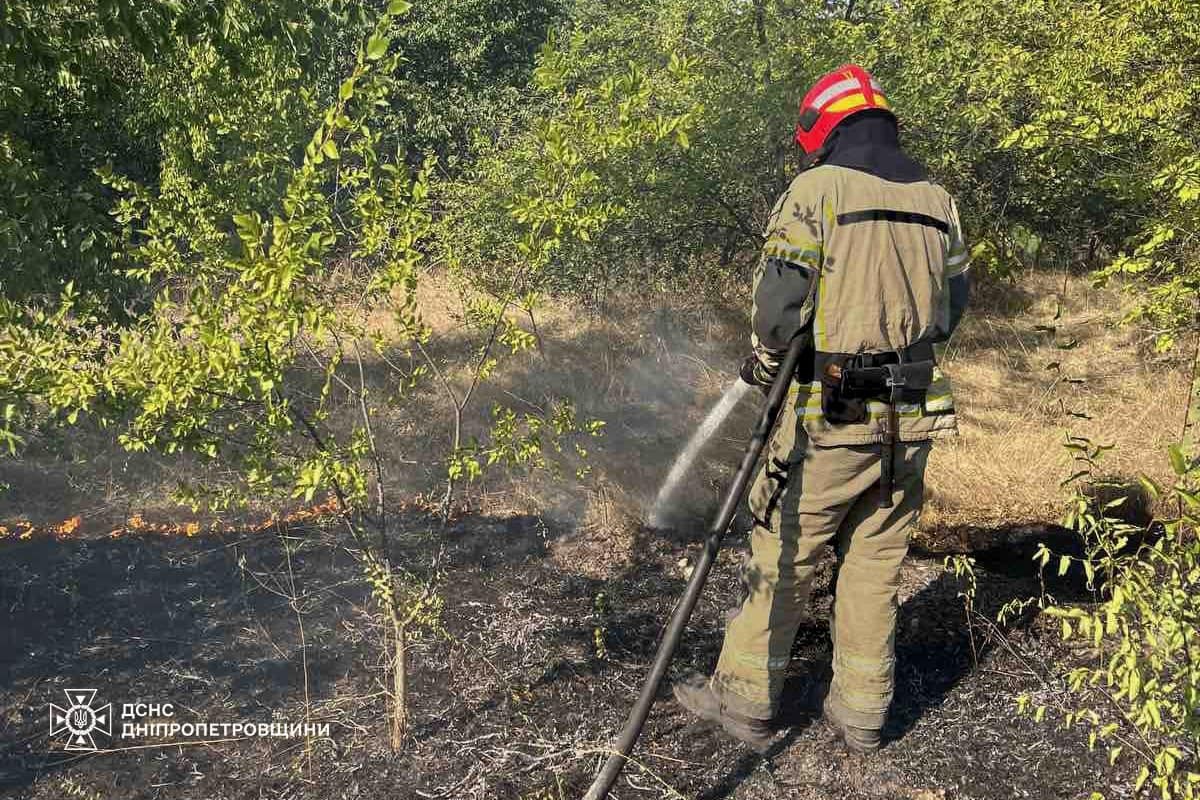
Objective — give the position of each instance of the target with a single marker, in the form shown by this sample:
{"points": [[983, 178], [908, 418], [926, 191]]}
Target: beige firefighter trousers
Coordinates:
{"points": [[805, 496]]}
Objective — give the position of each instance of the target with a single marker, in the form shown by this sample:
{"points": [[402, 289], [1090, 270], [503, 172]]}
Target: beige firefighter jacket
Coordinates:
{"points": [[864, 265]]}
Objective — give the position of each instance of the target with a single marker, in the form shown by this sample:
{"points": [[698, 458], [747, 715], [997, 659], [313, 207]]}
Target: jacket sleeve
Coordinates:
{"points": [[958, 278], [960, 294], [786, 277]]}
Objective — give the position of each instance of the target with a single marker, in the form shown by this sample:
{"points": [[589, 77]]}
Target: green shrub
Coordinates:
{"points": [[1138, 693]]}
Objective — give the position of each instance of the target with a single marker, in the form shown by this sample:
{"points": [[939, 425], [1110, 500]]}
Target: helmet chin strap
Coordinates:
{"points": [[813, 159], [817, 157]]}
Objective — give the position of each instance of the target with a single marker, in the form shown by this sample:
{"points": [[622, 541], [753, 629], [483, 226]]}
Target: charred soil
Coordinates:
{"points": [[533, 667]]}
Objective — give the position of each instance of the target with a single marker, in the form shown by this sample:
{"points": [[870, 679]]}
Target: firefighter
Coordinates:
{"points": [[865, 259]]}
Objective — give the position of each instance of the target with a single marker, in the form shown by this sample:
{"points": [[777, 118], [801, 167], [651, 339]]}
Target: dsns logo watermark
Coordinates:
{"points": [[80, 719]]}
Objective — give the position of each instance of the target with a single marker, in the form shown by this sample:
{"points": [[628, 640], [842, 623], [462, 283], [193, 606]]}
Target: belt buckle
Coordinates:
{"points": [[895, 377], [895, 382]]}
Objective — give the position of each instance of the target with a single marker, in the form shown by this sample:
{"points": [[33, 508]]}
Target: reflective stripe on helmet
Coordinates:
{"points": [[841, 87], [846, 103]]}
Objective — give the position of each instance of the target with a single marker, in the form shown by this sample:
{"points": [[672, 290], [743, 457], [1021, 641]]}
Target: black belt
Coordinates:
{"points": [[921, 351]]}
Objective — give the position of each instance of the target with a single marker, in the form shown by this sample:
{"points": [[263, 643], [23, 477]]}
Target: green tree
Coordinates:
{"points": [[263, 273]]}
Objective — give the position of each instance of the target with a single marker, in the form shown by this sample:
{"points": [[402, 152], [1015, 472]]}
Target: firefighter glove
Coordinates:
{"points": [[752, 372]]}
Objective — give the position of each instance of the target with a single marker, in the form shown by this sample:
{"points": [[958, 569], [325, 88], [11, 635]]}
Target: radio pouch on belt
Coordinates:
{"points": [[841, 404], [907, 382]]}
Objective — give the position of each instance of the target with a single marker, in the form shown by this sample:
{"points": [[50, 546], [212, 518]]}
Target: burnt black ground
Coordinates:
{"points": [[511, 699]]}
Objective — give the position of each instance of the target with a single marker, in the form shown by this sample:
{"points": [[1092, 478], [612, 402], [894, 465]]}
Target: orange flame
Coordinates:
{"points": [[23, 529]]}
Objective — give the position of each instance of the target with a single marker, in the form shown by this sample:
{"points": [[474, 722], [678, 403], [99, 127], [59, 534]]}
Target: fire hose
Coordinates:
{"points": [[623, 744]]}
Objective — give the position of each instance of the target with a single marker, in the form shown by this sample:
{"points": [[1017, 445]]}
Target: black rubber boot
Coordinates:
{"points": [[699, 696], [860, 740]]}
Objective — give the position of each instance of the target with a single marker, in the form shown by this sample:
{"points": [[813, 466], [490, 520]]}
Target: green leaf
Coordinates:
{"points": [[346, 90], [376, 47], [1178, 462], [398, 7], [1150, 486], [330, 149]]}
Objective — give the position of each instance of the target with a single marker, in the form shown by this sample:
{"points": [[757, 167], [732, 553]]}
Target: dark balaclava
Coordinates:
{"points": [[869, 142]]}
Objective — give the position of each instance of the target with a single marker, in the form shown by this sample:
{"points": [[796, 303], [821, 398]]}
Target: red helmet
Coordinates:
{"points": [[847, 90]]}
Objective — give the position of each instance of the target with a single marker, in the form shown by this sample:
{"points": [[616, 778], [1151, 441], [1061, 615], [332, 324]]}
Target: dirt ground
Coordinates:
{"points": [[555, 594], [512, 698]]}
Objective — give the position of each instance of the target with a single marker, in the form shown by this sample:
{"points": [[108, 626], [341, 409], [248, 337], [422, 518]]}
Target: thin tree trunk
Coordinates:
{"points": [[399, 683], [1187, 444], [1186, 436], [760, 31]]}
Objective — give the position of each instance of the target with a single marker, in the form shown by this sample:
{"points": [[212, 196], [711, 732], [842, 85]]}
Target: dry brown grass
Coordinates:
{"points": [[650, 374], [1021, 390], [652, 367]]}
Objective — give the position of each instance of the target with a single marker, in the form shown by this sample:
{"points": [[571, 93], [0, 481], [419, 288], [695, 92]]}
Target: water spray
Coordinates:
{"points": [[625, 740], [660, 511]]}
